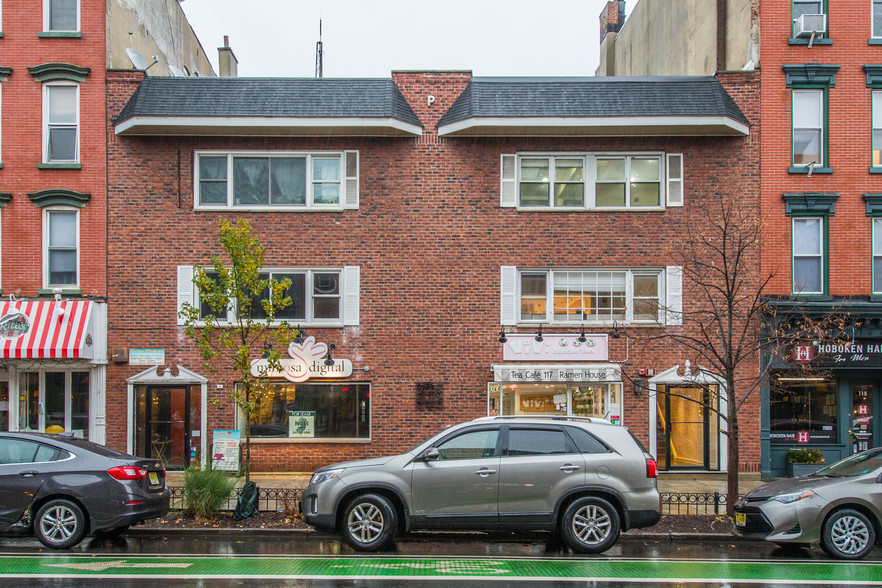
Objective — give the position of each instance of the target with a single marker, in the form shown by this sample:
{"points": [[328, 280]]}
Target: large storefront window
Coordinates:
{"points": [[53, 401], [803, 409], [590, 399], [307, 411]]}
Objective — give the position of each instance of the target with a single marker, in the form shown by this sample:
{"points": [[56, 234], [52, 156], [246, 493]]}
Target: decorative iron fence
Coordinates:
{"points": [[288, 500]]}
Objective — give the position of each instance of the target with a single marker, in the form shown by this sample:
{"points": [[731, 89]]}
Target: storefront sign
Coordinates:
{"points": [[226, 450], [147, 356], [555, 348], [556, 373], [841, 354], [802, 437], [301, 423], [14, 325], [307, 361]]}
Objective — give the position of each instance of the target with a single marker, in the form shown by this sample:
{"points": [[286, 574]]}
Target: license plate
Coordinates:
{"points": [[740, 519], [154, 478]]}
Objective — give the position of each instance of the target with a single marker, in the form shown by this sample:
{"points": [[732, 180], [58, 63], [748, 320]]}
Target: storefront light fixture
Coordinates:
{"points": [[13, 303], [502, 337], [582, 337], [267, 349], [299, 338], [615, 332], [539, 336], [330, 359]]}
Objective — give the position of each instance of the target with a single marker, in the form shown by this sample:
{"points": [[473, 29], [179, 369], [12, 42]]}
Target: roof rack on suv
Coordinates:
{"points": [[551, 417]]}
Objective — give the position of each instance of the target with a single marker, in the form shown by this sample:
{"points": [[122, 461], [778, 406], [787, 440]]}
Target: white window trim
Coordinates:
{"points": [[511, 314], [874, 255], [510, 180], [349, 185], [47, 4], [822, 225], [822, 153], [46, 213], [348, 297], [874, 34], [46, 89], [874, 112]]}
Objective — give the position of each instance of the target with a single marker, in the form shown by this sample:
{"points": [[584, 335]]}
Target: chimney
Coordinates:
{"points": [[612, 18], [226, 60]]}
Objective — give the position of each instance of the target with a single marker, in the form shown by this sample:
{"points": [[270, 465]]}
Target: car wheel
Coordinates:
{"points": [[60, 524], [848, 534], [590, 525], [369, 523], [111, 533]]}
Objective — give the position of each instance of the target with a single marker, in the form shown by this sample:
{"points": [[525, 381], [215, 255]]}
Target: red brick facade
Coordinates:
{"points": [[430, 238]]}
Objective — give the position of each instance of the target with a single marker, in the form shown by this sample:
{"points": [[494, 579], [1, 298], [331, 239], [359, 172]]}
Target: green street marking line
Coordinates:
{"points": [[844, 573]]}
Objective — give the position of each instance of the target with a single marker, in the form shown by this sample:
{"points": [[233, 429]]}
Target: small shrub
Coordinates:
{"points": [[206, 491], [805, 456]]}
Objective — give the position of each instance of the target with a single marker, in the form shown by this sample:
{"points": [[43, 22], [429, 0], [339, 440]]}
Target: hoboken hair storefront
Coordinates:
{"points": [[822, 395], [556, 374]]}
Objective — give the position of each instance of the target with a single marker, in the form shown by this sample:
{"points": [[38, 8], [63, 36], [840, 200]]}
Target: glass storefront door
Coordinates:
{"points": [[167, 418], [4, 405], [862, 421], [687, 428]]}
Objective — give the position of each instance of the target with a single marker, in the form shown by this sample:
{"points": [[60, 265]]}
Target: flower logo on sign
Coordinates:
{"points": [[304, 355]]}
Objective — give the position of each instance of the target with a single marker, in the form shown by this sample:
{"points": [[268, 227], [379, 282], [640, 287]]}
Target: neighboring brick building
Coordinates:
{"points": [[53, 57], [418, 217], [821, 99]]}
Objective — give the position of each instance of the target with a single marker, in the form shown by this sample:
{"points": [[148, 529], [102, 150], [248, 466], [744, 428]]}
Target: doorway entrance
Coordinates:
{"points": [[168, 420], [688, 427]]}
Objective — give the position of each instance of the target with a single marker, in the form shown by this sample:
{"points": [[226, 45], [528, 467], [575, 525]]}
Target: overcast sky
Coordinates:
{"points": [[371, 38]]}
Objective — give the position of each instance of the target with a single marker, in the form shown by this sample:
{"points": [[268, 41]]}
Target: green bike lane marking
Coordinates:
{"points": [[861, 574]]}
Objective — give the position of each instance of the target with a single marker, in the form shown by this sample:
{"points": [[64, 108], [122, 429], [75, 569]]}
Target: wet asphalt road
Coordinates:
{"points": [[621, 566]]}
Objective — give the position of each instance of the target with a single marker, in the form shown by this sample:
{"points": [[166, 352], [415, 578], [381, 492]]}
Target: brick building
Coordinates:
{"points": [[469, 246], [53, 182], [821, 99]]}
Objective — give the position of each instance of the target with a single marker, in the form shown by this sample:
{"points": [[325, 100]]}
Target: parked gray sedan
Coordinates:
{"points": [[59, 488], [840, 506], [584, 478]]}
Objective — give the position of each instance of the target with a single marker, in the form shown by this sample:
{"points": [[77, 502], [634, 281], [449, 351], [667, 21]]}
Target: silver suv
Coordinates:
{"points": [[583, 478]]}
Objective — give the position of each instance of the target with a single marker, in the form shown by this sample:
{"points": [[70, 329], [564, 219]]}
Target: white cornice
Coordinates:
{"points": [[265, 126], [597, 126]]}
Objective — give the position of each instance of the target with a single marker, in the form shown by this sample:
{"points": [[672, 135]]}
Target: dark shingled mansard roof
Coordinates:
{"points": [[593, 97]]}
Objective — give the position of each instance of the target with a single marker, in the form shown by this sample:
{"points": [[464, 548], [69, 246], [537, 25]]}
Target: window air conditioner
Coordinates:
{"points": [[808, 24]]}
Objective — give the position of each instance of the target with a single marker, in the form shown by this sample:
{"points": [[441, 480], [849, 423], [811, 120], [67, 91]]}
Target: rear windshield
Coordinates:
{"points": [[95, 448]]}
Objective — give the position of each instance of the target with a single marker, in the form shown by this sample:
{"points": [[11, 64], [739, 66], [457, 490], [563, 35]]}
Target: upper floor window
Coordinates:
{"points": [[589, 296], [877, 128], [61, 247], [808, 255], [61, 16], [877, 19], [877, 256], [318, 296], [809, 114], [579, 181], [809, 20], [291, 181], [61, 116]]}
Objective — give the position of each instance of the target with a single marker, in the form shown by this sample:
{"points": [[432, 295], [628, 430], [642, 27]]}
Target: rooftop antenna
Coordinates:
{"points": [[318, 53]]}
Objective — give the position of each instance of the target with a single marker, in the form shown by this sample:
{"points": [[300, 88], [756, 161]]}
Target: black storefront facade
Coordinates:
{"points": [[823, 388]]}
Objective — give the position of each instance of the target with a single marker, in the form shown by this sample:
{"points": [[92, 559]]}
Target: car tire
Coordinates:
{"points": [[848, 534], [590, 525], [369, 523], [60, 524]]}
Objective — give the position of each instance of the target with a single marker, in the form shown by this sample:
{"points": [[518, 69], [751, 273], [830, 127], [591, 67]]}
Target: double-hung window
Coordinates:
{"points": [[877, 19], [807, 15], [592, 181], [877, 128], [808, 255], [575, 296], [808, 127], [61, 16], [877, 256], [277, 181], [61, 106], [61, 248]]}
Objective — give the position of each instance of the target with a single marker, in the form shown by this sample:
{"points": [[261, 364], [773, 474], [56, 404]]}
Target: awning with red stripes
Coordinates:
{"points": [[32, 329]]}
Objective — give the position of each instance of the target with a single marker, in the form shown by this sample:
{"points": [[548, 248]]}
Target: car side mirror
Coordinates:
{"points": [[879, 479], [430, 454]]}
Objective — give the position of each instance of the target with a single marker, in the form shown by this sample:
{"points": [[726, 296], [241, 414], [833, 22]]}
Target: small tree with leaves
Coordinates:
{"points": [[235, 324]]}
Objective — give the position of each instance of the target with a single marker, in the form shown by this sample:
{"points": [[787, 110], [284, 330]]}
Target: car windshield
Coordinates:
{"points": [[856, 465]]}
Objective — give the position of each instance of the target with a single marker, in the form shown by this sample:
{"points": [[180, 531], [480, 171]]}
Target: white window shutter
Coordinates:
{"points": [[351, 294], [508, 185], [674, 168], [350, 163], [674, 295], [509, 295], [185, 288]]}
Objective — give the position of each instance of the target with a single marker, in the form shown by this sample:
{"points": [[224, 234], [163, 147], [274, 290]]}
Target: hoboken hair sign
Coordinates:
{"points": [[525, 347], [306, 362], [844, 353]]}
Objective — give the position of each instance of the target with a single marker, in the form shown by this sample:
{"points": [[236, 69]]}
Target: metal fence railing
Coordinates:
{"points": [[288, 499]]}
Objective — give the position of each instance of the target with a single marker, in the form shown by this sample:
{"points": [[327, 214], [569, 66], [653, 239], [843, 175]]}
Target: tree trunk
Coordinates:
{"points": [[246, 464], [734, 450]]}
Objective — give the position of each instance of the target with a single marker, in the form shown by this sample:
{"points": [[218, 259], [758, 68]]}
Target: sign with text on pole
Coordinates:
{"points": [[306, 361]]}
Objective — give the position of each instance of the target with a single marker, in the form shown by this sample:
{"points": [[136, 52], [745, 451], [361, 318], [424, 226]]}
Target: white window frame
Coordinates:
{"points": [[348, 295], [820, 256], [47, 212], [47, 10], [629, 295], [822, 131], [670, 187], [877, 252], [876, 124], [793, 4], [348, 183], [874, 4], [47, 88]]}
